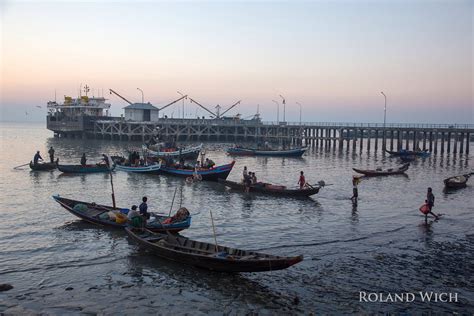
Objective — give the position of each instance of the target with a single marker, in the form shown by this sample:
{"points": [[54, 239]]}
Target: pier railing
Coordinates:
{"points": [[374, 125]]}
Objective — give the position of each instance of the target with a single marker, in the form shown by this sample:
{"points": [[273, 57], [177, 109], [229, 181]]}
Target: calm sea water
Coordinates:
{"points": [[61, 265]]}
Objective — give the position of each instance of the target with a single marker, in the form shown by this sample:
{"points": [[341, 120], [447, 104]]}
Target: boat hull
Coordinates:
{"points": [[277, 192], [204, 255], [213, 174], [187, 153], [409, 153], [150, 169], [47, 166], [69, 204], [375, 173], [297, 152], [83, 169], [456, 182]]}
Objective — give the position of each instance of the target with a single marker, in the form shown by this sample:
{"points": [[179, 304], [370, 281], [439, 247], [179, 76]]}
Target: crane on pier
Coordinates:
{"points": [[112, 91], [218, 107]]}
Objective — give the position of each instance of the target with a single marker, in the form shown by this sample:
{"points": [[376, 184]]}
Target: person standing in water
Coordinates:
{"points": [[51, 154], [355, 190], [430, 198]]}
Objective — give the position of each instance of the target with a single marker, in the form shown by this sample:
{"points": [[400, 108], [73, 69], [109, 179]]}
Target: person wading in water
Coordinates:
{"points": [[51, 154]]}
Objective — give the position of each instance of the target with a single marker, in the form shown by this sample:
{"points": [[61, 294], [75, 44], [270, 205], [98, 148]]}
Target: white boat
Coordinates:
{"points": [[179, 152], [151, 168]]}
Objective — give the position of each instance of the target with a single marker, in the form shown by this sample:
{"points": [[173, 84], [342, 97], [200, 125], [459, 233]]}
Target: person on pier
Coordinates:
{"points": [[83, 160], [51, 154], [37, 157], [302, 180]]}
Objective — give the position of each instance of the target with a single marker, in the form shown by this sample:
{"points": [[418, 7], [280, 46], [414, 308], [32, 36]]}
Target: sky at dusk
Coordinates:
{"points": [[333, 57]]}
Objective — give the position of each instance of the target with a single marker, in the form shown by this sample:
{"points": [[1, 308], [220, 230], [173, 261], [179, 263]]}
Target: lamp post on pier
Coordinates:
{"points": [[183, 102], [300, 111], [284, 107], [384, 119], [278, 111], [143, 96]]}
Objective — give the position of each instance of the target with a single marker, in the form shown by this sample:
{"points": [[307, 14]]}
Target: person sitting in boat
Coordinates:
{"points": [[253, 177], [144, 209], [37, 157], [302, 180], [134, 217], [51, 154], [210, 163]]}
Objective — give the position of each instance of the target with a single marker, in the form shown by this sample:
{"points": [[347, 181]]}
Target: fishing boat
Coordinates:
{"points": [[152, 168], [383, 172], [267, 188], [186, 153], [457, 182], [45, 166], [209, 256], [241, 151], [84, 169], [99, 215], [210, 174], [408, 153]]}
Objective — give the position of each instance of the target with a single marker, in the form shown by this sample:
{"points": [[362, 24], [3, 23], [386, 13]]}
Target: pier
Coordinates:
{"points": [[436, 138]]}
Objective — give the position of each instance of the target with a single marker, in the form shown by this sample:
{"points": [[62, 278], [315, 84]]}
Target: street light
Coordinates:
{"points": [[183, 101], [143, 96], [384, 119], [284, 107], [300, 111], [278, 111]]}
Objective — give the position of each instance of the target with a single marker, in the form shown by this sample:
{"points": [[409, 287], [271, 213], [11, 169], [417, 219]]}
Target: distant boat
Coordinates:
{"points": [[242, 151], [84, 169], [190, 152], [383, 172], [45, 166], [407, 153], [97, 214], [211, 174], [457, 182], [267, 188], [209, 256]]}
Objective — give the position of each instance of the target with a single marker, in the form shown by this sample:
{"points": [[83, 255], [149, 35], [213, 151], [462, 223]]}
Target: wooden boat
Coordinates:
{"points": [[457, 182], [84, 169], [383, 172], [45, 166], [211, 174], [187, 153], [408, 153], [267, 188], [152, 168], [241, 151], [94, 213], [205, 255]]}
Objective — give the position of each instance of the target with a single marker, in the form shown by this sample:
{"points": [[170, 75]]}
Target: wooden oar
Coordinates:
{"points": [[214, 230], [26, 164]]}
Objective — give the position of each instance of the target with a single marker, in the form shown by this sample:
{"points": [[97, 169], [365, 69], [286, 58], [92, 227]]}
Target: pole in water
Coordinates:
{"points": [[181, 197], [172, 202], [26, 164], [214, 230]]}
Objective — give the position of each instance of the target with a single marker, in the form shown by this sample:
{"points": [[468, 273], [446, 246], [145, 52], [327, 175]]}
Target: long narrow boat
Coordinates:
{"points": [[151, 168], [457, 182], [45, 166], [383, 172], [96, 214], [241, 151], [405, 153], [190, 152], [267, 188], [209, 256], [211, 174], [84, 169]]}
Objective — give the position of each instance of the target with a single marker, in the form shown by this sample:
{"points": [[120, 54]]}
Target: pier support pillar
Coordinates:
{"points": [[361, 139], [376, 140], [442, 142], [461, 145], [455, 148], [468, 138], [449, 142]]}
